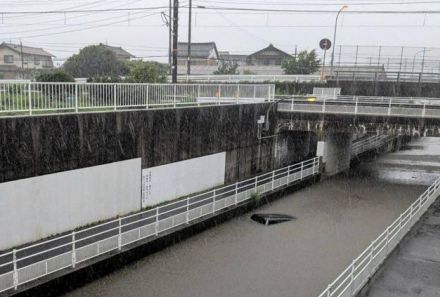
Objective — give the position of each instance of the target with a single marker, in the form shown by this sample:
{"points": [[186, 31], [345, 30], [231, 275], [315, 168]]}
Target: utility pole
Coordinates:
{"points": [[170, 39], [22, 59], [188, 70], [175, 38]]}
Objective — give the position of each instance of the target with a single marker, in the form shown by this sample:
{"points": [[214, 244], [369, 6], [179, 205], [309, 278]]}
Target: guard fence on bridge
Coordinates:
{"points": [[255, 78], [362, 105], [357, 274], [39, 98], [382, 76], [23, 265]]}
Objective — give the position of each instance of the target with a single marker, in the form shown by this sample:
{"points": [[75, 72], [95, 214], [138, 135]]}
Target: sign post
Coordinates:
{"points": [[325, 44]]}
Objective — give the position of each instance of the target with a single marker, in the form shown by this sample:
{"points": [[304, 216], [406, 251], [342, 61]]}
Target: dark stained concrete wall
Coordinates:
{"points": [[32, 146]]}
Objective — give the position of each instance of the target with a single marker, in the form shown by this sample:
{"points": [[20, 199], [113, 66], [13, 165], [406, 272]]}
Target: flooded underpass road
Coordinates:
{"points": [[336, 220]]}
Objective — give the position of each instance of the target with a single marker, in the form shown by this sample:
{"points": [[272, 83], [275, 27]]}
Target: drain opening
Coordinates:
{"points": [[271, 219]]}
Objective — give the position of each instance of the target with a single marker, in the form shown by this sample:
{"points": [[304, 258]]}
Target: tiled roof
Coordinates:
{"points": [[28, 50], [198, 50], [118, 51]]}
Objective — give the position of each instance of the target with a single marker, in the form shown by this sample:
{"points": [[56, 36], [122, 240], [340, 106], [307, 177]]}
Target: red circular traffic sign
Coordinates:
{"points": [[325, 44]]}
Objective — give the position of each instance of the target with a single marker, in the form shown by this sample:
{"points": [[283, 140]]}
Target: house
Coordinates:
{"points": [[226, 57], [203, 53], [268, 56], [119, 52], [18, 61]]}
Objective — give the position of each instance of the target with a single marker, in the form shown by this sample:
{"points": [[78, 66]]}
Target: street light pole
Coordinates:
{"points": [[188, 70], [334, 37], [175, 39]]}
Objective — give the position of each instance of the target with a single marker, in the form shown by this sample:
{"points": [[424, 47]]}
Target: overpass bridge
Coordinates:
{"points": [[382, 107]]}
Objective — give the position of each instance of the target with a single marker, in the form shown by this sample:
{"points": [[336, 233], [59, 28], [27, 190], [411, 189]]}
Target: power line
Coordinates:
{"points": [[323, 4], [83, 10], [316, 11]]}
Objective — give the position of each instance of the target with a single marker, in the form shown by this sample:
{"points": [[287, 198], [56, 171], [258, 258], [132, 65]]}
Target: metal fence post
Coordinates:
{"points": [[256, 183], [213, 202], [389, 107], [76, 97], [293, 102], [329, 290], [119, 233], [255, 92], [424, 110], [288, 175], [187, 210], [356, 105], [15, 274], [352, 277], [323, 105], [273, 179], [236, 193], [156, 226], [148, 97], [30, 98], [218, 94], [302, 168], [238, 93], [175, 94], [114, 96], [73, 250]]}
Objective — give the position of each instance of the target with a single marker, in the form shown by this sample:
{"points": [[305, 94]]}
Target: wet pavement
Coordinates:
{"points": [[335, 220]]}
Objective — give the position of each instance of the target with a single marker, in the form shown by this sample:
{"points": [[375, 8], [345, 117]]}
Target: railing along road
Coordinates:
{"points": [[39, 98], [363, 105]]}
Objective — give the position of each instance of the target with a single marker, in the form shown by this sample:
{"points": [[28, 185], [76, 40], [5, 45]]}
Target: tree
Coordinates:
{"points": [[304, 63], [95, 61], [226, 68], [57, 75], [146, 72]]}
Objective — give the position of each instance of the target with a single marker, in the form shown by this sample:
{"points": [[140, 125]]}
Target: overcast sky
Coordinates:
{"points": [[143, 32]]}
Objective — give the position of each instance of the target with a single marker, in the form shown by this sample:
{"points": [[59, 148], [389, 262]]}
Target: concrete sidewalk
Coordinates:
{"points": [[414, 270]]}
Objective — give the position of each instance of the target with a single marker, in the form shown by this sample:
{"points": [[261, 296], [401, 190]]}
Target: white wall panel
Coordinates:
{"points": [[34, 208], [171, 181]]}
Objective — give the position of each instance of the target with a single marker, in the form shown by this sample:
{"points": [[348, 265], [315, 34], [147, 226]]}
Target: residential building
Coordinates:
{"points": [[202, 53], [268, 56], [19, 61], [240, 60], [120, 53]]}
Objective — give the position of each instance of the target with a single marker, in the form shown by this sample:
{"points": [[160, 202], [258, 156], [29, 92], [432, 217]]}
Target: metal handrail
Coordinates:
{"points": [[356, 105], [29, 98], [374, 251]]}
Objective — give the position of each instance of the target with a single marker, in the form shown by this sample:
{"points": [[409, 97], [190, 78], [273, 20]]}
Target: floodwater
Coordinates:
{"points": [[335, 221]]}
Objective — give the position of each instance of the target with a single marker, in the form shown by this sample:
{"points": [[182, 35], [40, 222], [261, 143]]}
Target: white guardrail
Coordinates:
{"points": [[248, 78], [366, 144], [354, 278], [34, 97], [362, 105], [29, 263]]}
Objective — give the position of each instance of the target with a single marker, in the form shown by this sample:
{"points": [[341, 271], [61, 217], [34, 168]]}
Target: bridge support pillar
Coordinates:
{"points": [[335, 151]]}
